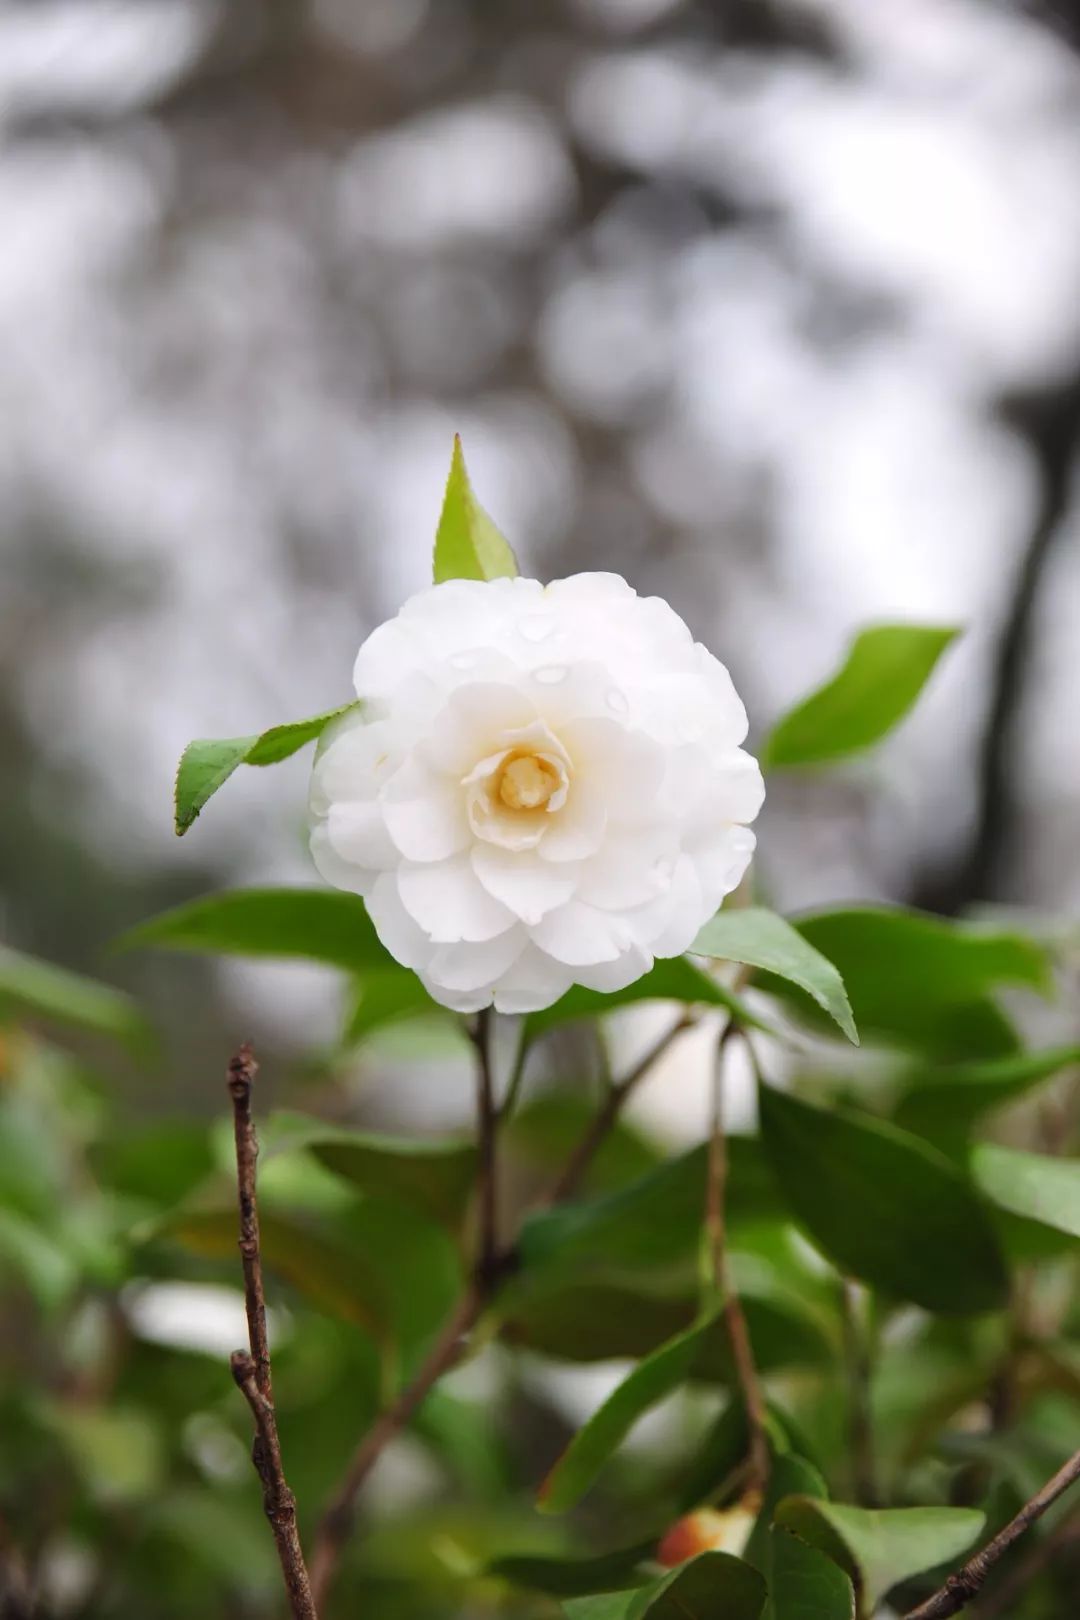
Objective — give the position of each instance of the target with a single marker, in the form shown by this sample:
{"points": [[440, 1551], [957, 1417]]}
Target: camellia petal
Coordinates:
{"points": [[523, 882], [544, 786], [449, 902]]}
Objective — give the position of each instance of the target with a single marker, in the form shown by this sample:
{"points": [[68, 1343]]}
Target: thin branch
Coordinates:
{"points": [[487, 1121], [490, 1266], [1062, 1538], [959, 1590], [742, 1353], [251, 1368], [573, 1172], [517, 1075], [337, 1521], [860, 1415]]}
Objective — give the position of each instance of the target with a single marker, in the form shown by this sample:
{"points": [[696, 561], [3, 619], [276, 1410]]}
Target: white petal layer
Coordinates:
{"points": [[645, 833]]}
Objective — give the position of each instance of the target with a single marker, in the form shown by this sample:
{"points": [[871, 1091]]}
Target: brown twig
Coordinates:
{"points": [[571, 1176], [337, 1520], [1064, 1536], [490, 1266], [960, 1588], [251, 1368], [742, 1353], [860, 1417]]}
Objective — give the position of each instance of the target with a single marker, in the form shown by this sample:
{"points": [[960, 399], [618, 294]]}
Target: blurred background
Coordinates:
{"points": [[770, 307]]}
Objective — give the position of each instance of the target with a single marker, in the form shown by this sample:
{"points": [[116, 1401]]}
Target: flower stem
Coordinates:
{"points": [[742, 1353]]}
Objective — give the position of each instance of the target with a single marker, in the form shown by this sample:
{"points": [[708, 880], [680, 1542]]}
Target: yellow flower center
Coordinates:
{"points": [[527, 783]]}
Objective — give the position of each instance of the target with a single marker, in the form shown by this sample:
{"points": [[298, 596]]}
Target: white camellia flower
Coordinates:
{"points": [[544, 788]]}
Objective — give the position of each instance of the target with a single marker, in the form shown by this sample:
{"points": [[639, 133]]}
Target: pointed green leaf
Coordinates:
{"points": [[206, 764], [761, 939], [945, 1102], [386, 995], [32, 988], [653, 1223], [1034, 1185], [708, 1587], [789, 1475], [436, 1177], [879, 1548], [467, 544], [921, 981], [590, 1322], [886, 668], [651, 1380], [805, 1584], [384, 1267], [884, 1205], [574, 1577], [319, 925]]}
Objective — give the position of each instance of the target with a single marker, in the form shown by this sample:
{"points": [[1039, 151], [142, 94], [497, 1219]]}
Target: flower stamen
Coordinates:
{"points": [[527, 782]]}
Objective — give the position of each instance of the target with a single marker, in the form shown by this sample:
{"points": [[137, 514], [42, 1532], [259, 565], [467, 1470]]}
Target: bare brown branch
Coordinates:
{"points": [[489, 1268], [962, 1587], [734, 1316], [251, 1368], [337, 1521], [573, 1173]]}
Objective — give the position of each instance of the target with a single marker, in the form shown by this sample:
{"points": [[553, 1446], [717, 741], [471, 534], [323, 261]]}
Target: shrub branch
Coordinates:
{"points": [[251, 1367], [742, 1353], [960, 1588]]}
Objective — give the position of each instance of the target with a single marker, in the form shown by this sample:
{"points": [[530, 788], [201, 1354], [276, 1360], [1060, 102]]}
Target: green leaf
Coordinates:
{"points": [[651, 1225], [206, 764], [789, 1475], [946, 1102], [318, 1266], [467, 543], [158, 1164], [386, 995], [805, 1584], [573, 1577], [319, 925], [881, 1548], [879, 681], [708, 1587], [1034, 1185], [436, 1177], [651, 1380], [32, 988], [672, 978], [884, 1205], [119, 1451], [919, 981], [539, 1138], [588, 1322], [761, 939]]}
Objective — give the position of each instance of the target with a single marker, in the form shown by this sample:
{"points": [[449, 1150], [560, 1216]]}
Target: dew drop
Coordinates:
{"points": [[617, 701], [551, 674], [537, 627]]}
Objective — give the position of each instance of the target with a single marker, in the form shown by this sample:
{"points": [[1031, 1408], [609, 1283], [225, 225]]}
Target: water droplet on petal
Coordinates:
{"points": [[551, 674], [617, 701]]}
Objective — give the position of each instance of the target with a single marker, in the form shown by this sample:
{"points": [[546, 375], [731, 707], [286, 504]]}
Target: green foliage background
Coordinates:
{"points": [[901, 1231]]}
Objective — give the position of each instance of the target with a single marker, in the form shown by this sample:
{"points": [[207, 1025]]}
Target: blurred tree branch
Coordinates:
{"points": [[251, 1368]]}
